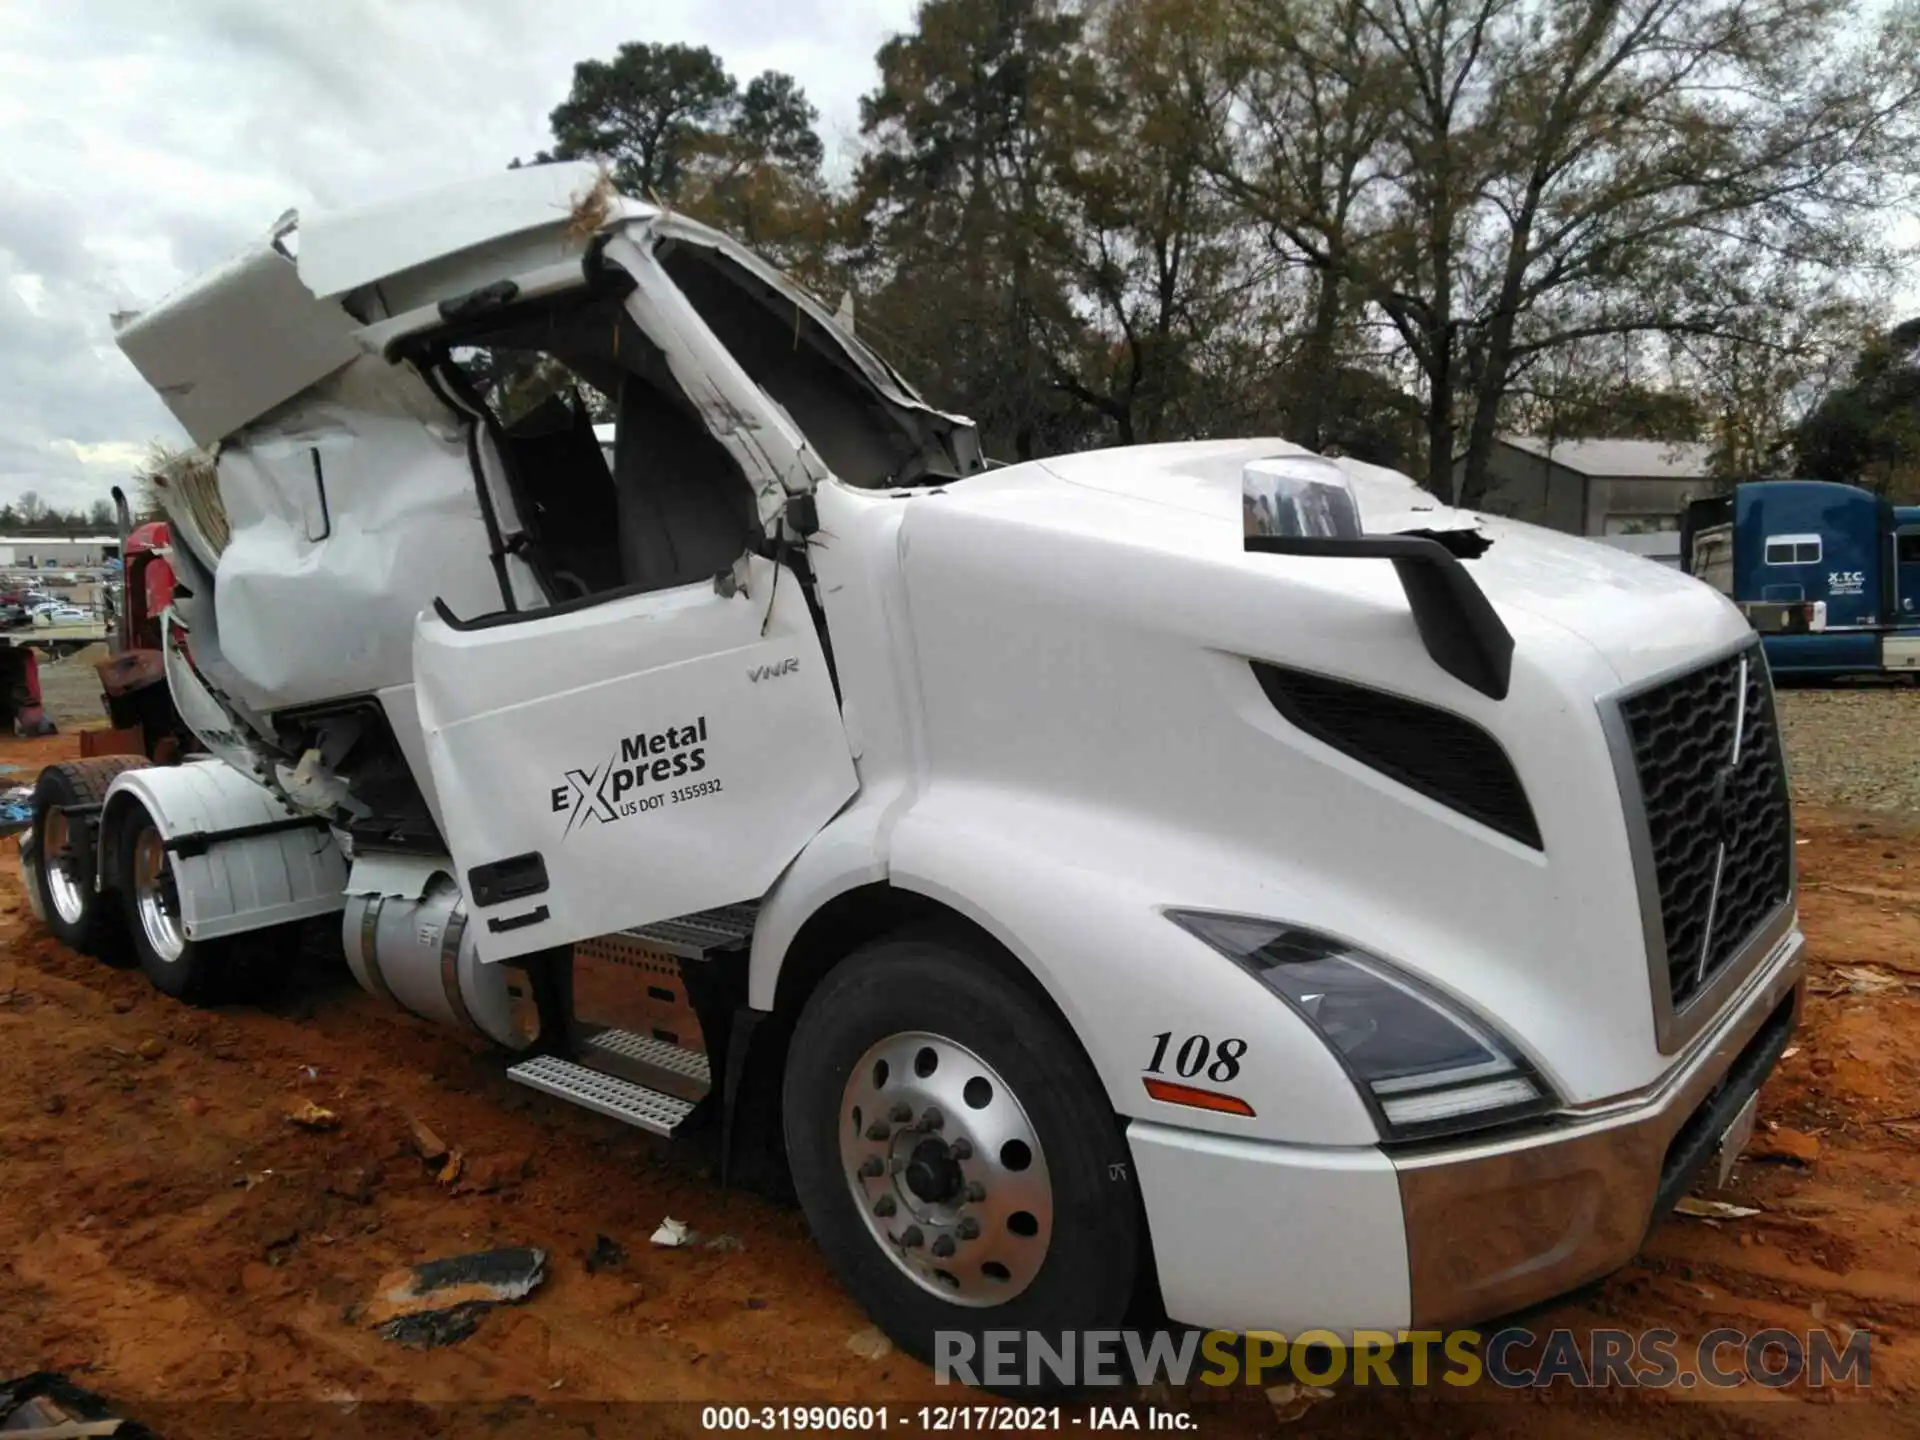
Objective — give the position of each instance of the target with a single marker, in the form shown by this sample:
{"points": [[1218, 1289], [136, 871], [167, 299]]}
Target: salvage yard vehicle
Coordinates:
{"points": [[1202, 873], [1828, 574]]}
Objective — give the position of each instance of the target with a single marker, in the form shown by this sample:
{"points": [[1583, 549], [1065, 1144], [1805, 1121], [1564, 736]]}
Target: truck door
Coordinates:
{"points": [[1906, 552], [609, 764]]}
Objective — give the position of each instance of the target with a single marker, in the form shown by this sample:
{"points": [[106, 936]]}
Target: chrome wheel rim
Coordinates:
{"points": [[65, 887], [946, 1169], [154, 897]]}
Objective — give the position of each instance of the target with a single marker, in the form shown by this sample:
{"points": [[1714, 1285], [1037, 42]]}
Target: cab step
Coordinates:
{"points": [[702, 934], [638, 1105], [647, 1050]]}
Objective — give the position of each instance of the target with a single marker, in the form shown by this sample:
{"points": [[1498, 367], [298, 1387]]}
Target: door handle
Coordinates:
{"points": [[518, 922], [514, 878]]}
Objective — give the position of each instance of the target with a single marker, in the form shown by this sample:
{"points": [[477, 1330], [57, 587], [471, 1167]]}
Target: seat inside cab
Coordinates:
{"points": [[664, 505]]}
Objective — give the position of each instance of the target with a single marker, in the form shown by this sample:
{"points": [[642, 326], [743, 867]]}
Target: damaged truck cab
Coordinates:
{"points": [[1207, 867]]}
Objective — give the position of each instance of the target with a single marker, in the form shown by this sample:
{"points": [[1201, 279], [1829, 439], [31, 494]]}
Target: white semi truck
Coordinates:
{"points": [[1206, 872]]}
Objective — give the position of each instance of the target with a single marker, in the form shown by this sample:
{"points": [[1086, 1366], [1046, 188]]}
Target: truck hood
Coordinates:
{"points": [[1642, 617]]}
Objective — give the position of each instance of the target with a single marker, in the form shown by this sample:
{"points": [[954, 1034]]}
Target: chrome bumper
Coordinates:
{"points": [[1501, 1226]]}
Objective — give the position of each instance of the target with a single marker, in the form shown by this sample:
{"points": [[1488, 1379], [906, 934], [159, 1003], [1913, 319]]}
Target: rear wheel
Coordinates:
{"points": [[957, 1158], [66, 809], [197, 971]]}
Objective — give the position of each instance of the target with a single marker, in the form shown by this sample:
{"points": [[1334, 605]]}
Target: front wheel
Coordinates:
{"points": [[196, 971], [957, 1159]]}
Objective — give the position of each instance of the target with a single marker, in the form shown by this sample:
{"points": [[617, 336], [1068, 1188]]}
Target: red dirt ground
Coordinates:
{"points": [[171, 1241]]}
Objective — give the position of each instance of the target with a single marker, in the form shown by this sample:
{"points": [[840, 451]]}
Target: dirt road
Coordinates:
{"points": [[171, 1240]]}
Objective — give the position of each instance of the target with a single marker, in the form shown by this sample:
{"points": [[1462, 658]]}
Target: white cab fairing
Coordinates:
{"points": [[662, 753], [1081, 663]]}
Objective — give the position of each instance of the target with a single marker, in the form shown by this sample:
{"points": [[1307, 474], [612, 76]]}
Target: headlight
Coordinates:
{"points": [[1423, 1067]]}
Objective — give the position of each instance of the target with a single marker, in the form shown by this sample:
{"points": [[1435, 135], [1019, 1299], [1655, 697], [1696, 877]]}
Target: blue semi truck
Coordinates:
{"points": [[1828, 574]]}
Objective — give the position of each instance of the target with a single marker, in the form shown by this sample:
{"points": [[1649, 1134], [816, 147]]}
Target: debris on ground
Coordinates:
{"points": [[442, 1301], [607, 1254], [724, 1243], [309, 1116], [672, 1234], [486, 1174], [870, 1344], [1780, 1143], [113, 1238], [356, 1185], [1291, 1401], [44, 1405], [16, 810], [450, 1171], [430, 1146], [151, 1049], [1861, 980], [1713, 1209]]}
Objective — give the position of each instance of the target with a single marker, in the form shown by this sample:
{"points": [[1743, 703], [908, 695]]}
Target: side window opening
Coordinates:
{"points": [[1793, 550], [662, 505]]}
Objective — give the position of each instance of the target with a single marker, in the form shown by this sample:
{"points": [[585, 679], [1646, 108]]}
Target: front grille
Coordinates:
{"points": [[1718, 822]]}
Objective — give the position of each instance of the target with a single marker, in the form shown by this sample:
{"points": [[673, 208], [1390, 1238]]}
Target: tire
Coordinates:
{"points": [[80, 916], [199, 972], [1003, 1069]]}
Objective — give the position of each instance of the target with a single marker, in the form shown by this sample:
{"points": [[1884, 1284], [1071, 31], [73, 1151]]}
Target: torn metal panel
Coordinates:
{"points": [[769, 449], [956, 434], [206, 351], [225, 734], [349, 516], [343, 251]]}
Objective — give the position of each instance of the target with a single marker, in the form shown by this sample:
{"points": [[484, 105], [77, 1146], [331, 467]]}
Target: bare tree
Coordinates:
{"points": [[1552, 171]]}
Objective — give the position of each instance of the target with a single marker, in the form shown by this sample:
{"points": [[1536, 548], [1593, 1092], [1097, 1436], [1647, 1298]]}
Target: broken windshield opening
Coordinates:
{"points": [[665, 505], [863, 438]]}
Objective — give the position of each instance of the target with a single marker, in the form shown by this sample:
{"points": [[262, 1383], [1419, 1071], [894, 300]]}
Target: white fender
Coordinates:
{"points": [[230, 885]]}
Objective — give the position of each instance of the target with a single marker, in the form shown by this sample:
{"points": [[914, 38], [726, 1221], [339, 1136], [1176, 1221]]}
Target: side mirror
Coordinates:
{"points": [[1304, 505], [1298, 495]]}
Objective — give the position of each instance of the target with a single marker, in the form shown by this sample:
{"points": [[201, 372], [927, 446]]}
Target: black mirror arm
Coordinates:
{"points": [[1457, 623]]}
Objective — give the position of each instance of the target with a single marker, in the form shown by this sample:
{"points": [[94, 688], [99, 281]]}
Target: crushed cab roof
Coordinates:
{"points": [[343, 250]]}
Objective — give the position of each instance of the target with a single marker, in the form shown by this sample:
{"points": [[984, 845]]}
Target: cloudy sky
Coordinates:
{"points": [[142, 141]]}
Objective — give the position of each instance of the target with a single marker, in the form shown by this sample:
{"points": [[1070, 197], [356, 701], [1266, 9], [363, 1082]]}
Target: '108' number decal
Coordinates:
{"points": [[1191, 1058]]}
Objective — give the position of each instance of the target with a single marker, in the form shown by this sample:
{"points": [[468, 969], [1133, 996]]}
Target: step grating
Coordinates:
{"points": [[631, 1045], [622, 1099], [693, 937]]}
